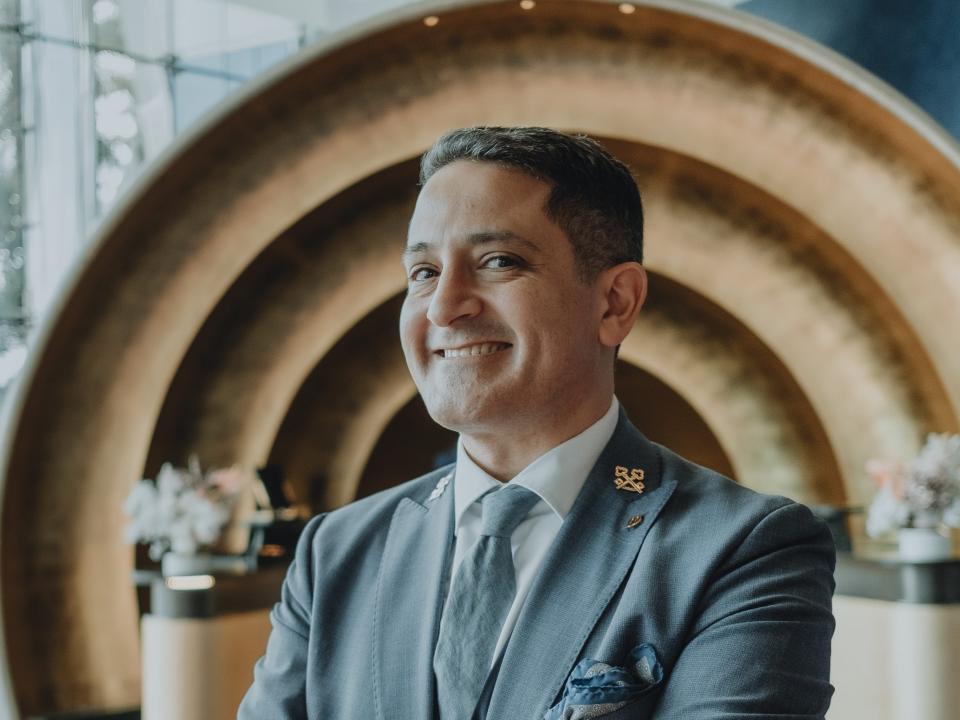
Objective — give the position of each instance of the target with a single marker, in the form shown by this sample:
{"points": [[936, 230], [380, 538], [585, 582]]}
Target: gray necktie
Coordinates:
{"points": [[480, 598]]}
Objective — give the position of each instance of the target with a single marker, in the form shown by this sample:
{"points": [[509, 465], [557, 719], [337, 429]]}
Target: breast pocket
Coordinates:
{"points": [[594, 686]]}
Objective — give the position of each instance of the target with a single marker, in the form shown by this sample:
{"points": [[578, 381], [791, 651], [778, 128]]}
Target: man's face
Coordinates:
{"points": [[497, 328]]}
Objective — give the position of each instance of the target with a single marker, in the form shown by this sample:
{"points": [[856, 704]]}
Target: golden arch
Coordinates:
{"points": [[805, 217]]}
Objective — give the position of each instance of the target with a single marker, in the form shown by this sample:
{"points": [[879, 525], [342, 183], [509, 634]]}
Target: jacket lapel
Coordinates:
{"points": [[411, 586], [581, 573]]}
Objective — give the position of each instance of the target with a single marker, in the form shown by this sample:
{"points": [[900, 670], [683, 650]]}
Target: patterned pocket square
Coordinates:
{"points": [[595, 689]]}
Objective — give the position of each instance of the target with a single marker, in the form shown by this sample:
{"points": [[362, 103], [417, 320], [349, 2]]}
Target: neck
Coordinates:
{"points": [[502, 455]]}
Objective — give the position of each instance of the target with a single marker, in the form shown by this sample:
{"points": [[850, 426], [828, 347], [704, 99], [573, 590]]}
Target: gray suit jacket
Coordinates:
{"points": [[732, 588]]}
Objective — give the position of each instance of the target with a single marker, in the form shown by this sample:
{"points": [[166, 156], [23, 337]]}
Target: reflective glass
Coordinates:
{"points": [[207, 33], [9, 12], [141, 29], [194, 94], [346, 12], [57, 164], [11, 192], [55, 19], [249, 63], [133, 120]]}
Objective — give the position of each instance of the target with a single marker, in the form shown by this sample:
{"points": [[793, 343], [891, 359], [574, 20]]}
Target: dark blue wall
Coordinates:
{"points": [[914, 45]]}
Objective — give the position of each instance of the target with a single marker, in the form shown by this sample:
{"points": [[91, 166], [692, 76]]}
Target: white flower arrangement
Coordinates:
{"points": [[185, 510], [923, 494]]}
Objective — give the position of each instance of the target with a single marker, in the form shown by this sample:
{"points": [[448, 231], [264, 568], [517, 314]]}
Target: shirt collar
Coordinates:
{"points": [[556, 476]]}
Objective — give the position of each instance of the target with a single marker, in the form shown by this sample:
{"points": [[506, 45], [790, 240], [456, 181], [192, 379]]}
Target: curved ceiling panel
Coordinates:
{"points": [[857, 360], [865, 185]]}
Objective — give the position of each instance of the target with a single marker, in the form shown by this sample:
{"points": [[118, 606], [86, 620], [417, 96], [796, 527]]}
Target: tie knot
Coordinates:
{"points": [[505, 508]]}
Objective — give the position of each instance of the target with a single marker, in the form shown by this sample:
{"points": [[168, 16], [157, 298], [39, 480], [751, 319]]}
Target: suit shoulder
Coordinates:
{"points": [[714, 494], [379, 507], [725, 520]]}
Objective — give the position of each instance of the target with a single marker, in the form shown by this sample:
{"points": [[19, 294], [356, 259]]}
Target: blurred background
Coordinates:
{"points": [[202, 204]]}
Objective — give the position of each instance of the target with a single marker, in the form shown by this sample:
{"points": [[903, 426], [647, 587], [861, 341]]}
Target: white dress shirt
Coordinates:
{"points": [[556, 476]]}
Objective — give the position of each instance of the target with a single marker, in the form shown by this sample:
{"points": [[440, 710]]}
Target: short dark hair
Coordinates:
{"points": [[595, 200]]}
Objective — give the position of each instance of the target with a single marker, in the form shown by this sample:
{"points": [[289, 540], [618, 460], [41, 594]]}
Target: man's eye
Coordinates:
{"points": [[419, 274], [499, 262]]}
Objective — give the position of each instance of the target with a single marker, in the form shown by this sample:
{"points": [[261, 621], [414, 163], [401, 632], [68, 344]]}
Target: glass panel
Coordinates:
{"points": [[57, 164], [12, 329], [347, 12], [13, 322], [249, 63], [9, 12], [194, 94], [134, 27], [213, 35], [198, 34], [133, 120], [137, 27], [55, 19]]}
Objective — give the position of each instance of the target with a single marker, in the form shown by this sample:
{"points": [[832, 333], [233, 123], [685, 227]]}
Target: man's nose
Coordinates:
{"points": [[454, 297]]}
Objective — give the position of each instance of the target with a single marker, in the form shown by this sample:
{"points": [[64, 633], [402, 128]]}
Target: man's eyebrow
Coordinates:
{"points": [[416, 249], [482, 237], [491, 236]]}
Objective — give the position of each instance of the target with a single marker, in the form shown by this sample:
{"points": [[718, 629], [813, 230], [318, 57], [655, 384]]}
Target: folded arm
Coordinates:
{"points": [[760, 646], [278, 690]]}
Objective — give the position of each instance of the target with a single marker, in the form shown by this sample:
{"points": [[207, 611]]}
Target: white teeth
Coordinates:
{"points": [[481, 349]]}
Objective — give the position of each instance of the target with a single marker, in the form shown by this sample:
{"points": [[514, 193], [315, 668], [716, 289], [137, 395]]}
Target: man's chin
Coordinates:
{"points": [[453, 419], [461, 416]]}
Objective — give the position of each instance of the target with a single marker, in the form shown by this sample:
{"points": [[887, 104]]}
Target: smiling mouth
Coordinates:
{"points": [[473, 350]]}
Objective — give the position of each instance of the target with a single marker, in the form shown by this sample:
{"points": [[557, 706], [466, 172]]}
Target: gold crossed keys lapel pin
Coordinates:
{"points": [[631, 481]]}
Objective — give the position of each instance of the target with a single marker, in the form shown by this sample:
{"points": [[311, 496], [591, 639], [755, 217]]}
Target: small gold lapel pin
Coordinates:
{"points": [[631, 481], [634, 521]]}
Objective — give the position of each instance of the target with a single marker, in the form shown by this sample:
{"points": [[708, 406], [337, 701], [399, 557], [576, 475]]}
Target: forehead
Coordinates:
{"points": [[468, 196]]}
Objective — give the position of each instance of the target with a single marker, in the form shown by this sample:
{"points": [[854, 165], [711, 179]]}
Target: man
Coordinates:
{"points": [[565, 566]]}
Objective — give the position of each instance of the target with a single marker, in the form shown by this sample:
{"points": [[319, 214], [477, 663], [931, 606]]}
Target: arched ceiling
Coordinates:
{"points": [[803, 226]]}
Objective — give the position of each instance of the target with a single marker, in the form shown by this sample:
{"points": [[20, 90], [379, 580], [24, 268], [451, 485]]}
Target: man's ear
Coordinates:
{"points": [[624, 289]]}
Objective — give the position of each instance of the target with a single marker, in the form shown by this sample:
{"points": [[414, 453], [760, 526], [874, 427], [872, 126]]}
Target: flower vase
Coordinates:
{"points": [[176, 564], [923, 544], [173, 564]]}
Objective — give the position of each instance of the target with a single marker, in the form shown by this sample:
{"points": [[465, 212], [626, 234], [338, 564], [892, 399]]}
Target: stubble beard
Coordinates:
{"points": [[464, 403]]}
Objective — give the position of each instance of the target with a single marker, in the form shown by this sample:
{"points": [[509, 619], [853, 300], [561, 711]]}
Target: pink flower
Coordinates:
{"points": [[887, 474], [228, 481]]}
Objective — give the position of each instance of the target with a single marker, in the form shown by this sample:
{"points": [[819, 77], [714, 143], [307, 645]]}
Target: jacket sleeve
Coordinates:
{"points": [[760, 643], [278, 690]]}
